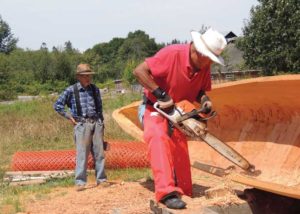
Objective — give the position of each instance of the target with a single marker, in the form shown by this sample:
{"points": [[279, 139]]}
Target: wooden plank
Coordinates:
{"points": [[13, 173], [289, 191], [279, 189], [29, 182], [19, 176]]}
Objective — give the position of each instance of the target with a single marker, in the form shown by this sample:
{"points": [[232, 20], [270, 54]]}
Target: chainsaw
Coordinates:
{"points": [[193, 123]]}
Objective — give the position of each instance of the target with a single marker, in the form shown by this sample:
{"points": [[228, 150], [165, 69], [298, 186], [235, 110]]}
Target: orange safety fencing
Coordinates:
{"points": [[120, 155]]}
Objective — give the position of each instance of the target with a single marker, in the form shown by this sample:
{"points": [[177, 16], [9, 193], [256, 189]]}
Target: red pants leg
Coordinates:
{"points": [[182, 162], [166, 155]]}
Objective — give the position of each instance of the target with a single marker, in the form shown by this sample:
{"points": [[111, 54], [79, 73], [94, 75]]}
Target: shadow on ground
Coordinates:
{"points": [[262, 202], [198, 190]]}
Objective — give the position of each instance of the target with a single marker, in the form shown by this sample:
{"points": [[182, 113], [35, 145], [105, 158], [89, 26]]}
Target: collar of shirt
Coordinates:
{"points": [[81, 88], [190, 70], [187, 56]]}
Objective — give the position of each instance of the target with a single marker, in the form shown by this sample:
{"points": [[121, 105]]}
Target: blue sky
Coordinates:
{"points": [[86, 23]]}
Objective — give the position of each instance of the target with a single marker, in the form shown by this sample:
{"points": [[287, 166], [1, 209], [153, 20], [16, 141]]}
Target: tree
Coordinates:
{"points": [[4, 72], [137, 46], [5, 85], [62, 67], [69, 48], [127, 73], [42, 63], [110, 59], [44, 47], [175, 41], [271, 37], [7, 41], [203, 29], [107, 51]]}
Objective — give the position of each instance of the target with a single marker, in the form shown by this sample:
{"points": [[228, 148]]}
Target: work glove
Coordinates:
{"points": [[164, 101], [206, 104]]}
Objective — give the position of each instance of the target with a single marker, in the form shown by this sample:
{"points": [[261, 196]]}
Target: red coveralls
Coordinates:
{"points": [[169, 156]]}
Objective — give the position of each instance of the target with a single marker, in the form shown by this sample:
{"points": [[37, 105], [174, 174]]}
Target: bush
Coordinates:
{"points": [[6, 93]]}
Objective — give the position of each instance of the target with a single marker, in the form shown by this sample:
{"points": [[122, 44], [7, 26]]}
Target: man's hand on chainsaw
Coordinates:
{"points": [[206, 104], [164, 101]]}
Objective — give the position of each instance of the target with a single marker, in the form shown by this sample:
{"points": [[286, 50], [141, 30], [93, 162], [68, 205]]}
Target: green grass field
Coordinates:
{"points": [[34, 126]]}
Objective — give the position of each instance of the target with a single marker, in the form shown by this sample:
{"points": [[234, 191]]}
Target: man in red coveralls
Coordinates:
{"points": [[175, 73]]}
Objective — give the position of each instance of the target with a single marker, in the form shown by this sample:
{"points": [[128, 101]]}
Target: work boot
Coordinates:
{"points": [[174, 202], [79, 188]]}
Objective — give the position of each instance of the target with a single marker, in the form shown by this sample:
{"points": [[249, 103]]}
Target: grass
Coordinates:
{"points": [[34, 126]]}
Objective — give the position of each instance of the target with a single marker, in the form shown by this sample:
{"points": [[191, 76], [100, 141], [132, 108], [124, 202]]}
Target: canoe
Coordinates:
{"points": [[260, 119]]}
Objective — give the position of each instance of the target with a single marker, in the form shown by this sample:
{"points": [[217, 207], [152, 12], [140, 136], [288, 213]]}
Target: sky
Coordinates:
{"points": [[89, 22]]}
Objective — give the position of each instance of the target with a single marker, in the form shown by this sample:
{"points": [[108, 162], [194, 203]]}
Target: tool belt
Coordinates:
{"points": [[87, 119]]}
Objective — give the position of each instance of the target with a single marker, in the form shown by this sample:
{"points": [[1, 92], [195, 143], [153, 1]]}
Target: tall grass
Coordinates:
{"points": [[110, 103], [34, 125]]}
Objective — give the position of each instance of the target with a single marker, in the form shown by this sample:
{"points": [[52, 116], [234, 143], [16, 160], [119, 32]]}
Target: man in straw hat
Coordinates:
{"points": [[85, 105], [175, 73]]}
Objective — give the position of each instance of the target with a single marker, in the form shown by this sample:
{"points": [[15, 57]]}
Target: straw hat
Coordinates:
{"points": [[84, 69], [211, 44]]}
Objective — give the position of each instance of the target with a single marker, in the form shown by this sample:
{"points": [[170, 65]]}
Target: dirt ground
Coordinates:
{"points": [[134, 198], [125, 198], [119, 198]]}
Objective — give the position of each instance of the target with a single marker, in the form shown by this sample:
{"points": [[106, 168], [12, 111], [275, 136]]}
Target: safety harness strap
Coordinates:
{"points": [[77, 99]]}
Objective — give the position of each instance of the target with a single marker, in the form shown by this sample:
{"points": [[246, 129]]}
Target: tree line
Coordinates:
{"points": [[45, 71], [270, 42]]}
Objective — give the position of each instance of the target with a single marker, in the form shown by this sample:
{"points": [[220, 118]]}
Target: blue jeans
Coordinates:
{"points": [[141, 112], [89, 138]]}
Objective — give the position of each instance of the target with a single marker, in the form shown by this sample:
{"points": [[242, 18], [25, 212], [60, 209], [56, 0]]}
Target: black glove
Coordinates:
{"points": [[165, 102], [206, 104]]}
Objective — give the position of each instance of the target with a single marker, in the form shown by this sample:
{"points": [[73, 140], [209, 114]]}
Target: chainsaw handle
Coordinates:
{"points": [[188, 115], [195, 112], [210, 115], [202, 110], [159, 110]]}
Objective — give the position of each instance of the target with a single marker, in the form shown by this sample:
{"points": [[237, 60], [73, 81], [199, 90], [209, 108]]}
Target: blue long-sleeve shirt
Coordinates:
{"points": [[88, 107]]}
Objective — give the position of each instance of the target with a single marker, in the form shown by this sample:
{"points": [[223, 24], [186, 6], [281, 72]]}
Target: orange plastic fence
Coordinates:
{"points": [[120, 155]]}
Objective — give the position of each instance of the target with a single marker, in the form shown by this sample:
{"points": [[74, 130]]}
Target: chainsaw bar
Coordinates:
{"points": [[225, 150], [222, 148]]}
